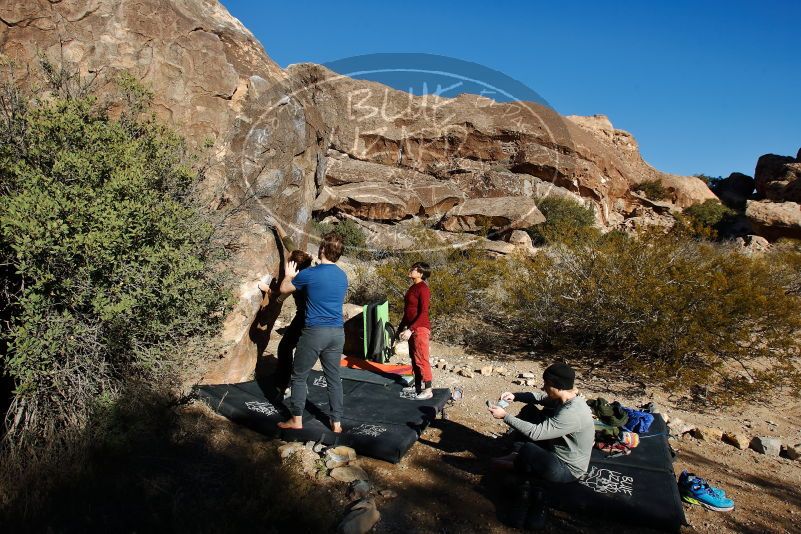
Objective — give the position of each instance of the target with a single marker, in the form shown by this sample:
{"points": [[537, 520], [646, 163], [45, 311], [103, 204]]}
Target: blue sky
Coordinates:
{"points": [[703, 86]]}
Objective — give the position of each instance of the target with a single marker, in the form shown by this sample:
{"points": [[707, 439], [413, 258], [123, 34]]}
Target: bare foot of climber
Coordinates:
{"points": [[293, 423], [336, 427]]}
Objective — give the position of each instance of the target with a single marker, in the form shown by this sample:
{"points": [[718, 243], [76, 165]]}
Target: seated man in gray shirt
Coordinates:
{"points": [[560, 445]]}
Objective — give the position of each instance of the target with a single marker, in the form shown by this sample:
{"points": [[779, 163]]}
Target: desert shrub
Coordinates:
{"points": [[708, 214], [565, 220], [460, 283], [675, 309], [107, 258], [351, 233], [653, 189]]}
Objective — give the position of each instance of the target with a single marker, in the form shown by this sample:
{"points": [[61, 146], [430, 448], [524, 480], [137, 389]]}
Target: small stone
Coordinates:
{"points": [[307, 460], [502, 371], [333, 464], [388, 494], [310, 445], [289, 449], [737, 440], [531, 383], [766, 445], [705, 433], [471, 358], [528, 375], [792, 452], [360, 519], [466, 373], [678, 427], [349, 473], [486, 370], [344, 451], [318, 448], [359, 489], [771, 423], [519, 382]]}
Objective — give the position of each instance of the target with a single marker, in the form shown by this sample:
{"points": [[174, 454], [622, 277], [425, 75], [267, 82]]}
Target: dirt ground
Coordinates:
{"points": [[445, 484]]}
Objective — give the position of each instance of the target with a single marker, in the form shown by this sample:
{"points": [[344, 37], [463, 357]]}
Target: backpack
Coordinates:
{"points": [[378, 332]]}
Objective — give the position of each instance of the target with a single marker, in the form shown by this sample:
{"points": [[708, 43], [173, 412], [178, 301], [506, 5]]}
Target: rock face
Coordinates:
{"points": [[775, 219], [501, 213], [777, 178], [485, 148]]}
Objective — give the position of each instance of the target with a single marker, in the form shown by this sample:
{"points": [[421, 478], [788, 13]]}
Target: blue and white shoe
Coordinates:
{"points": [[696, 490], [683, 483]]}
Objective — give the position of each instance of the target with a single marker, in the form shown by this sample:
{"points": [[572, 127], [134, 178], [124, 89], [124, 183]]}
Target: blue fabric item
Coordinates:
{"points": [[324, 286], [638, 422]]}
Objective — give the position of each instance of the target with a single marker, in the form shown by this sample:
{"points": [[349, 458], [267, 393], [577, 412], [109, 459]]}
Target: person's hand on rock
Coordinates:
{"points": [[291, 270]]}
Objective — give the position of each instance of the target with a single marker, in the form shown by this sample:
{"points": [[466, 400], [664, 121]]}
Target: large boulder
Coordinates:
{"points": [[380, 192], [775, 219], [478, 144], [777, 178], [735, 190], [499, 214]]}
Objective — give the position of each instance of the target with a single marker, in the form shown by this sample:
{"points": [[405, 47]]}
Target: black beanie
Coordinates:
{"points": [[560, 376]]}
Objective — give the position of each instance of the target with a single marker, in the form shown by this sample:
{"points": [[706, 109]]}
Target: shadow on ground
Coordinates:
{"points": [[149, 467]]}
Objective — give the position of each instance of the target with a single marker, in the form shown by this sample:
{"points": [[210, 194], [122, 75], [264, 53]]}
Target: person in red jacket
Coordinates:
{"points": [[416, 328]]}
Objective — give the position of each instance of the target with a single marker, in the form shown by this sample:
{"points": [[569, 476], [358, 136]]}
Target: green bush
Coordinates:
{"points": [[565, 220], [459, 281], [350, 232], [708, 214], [675, 309], [107, 258], [653, 189]]}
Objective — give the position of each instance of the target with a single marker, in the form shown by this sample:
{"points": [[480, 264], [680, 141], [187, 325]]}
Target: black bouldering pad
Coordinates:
{"points": [[380, 420], [637, 489]]}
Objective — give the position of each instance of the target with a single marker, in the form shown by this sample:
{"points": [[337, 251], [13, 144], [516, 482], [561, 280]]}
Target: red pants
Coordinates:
{"points": [[419, 351]]}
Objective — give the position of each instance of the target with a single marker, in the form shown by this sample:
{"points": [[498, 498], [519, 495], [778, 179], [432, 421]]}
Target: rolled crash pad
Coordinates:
{"points": [[380, 420]]}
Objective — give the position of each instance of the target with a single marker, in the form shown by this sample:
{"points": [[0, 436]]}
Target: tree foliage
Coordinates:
{"points": [[653, 189], [565, 220], [708, 214], [106, 259]]}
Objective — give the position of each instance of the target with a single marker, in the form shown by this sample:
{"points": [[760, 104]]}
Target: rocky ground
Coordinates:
{"points": [[445, 484]]}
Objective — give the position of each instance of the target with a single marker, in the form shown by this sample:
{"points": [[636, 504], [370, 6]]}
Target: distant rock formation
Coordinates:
{"points": [[775, 219], [778, 178], [735, 190]]}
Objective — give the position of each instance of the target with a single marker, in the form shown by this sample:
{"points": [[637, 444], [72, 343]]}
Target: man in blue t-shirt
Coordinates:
{"points": [[323, 334]]}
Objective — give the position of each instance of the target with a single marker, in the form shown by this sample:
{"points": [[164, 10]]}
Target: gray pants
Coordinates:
{"points": [[325, 343]]}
